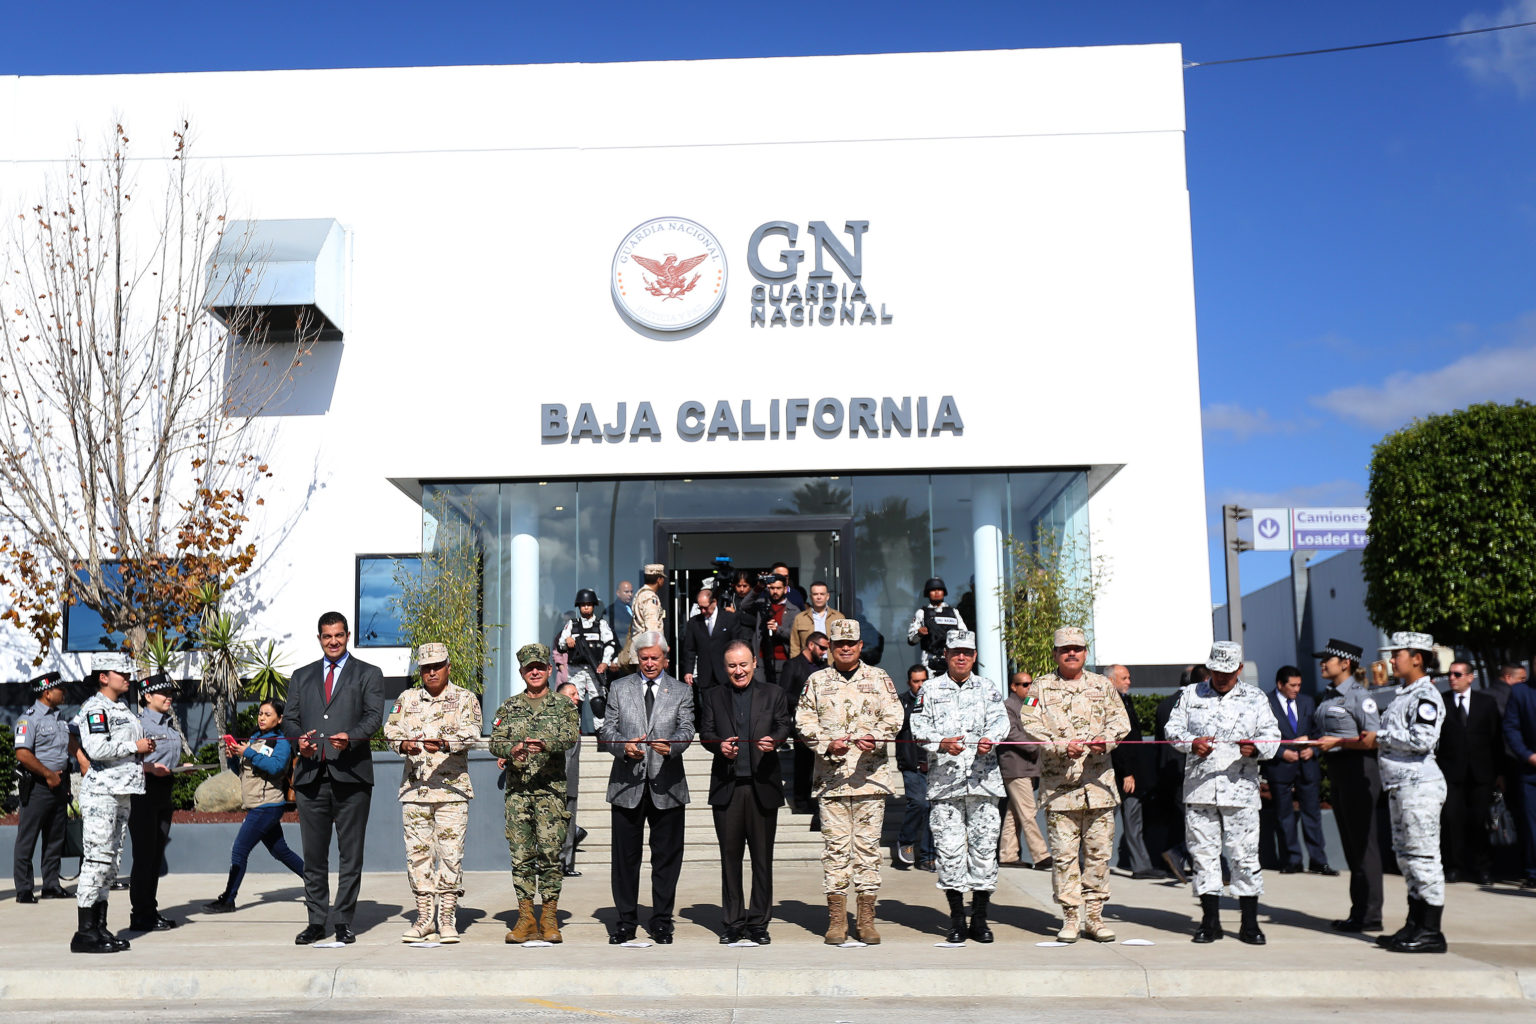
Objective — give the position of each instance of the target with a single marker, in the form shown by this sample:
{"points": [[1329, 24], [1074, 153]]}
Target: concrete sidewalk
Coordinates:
{"points": [[250, 954]]}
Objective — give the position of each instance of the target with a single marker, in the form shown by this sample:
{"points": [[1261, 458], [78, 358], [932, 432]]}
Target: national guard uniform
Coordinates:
{"points": [[964, 788], [109, 733], [852, 787], [1348, 710], [1410, 730], [648, 615], [939, 619], [536, 811], [44, 809], [1079, 793], [434, 795], [588, 643], [149, 813], [1221, 790]]}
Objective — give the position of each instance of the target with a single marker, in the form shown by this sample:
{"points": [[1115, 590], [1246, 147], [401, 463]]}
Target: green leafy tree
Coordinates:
{"points": [[1052, 584], [1452, 549], [440, 602]]}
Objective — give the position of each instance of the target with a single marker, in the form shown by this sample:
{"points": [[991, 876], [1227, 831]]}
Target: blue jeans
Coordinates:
{"points": [[262, 825], [915, 829]]}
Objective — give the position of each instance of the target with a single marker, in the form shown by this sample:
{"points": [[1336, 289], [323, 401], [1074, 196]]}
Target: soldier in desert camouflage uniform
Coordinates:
{"points": [[1078, 717], [648, 614], [846, 714], [532, 732], [434, 727]]}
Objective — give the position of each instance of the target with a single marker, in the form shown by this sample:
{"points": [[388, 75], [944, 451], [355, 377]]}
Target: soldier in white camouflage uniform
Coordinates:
{"points": [[1225, 727], [114, 741], [847, 714], [1410, 729], [1078, 717], [434, 726], [959, 719]]}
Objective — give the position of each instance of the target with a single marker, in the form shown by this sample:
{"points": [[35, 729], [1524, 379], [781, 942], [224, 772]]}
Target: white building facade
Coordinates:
{"points": [[869, 315]]}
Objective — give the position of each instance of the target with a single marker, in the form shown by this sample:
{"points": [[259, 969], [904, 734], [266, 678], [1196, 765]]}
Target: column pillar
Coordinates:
{"points": [[523, 566], [988, 514]]}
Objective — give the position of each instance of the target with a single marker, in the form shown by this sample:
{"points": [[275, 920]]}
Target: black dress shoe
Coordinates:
{"points": [[57, 892], [570, 872], [662, 936], [121, 885], [26, 896], [1044, 865], [1483, 878], [731, 935], [314, 933], [1291, 869], [1208, 933], [1452, 877], [1348, 924], [1323, 869], [1142, 876], [1252, 936], [344, 934], [151, 924], [759, 936], [619, 936]]}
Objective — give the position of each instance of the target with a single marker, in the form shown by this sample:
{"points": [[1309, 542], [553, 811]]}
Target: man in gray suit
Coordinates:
{"points": [[335, 706], [648, 724]]}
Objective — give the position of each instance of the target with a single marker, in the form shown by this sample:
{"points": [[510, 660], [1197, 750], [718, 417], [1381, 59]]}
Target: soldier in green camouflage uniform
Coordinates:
{"points": [[531, 734], [1077, 716], [847, 714], [434, 727]]}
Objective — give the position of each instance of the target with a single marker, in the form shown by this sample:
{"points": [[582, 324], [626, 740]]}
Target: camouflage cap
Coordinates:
{"points": [[113, 661], [532, 654], [1402, 641], [653, 569], [1226, 656], [1070, 636], [960, 639], [843, 629], [431, 654]]}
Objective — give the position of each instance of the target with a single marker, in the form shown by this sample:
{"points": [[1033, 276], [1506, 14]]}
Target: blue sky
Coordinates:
{"points": [[1364, 223]]}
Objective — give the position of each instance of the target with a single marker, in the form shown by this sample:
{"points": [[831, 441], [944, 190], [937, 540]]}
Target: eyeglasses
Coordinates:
{"points": [[1458, 675]]}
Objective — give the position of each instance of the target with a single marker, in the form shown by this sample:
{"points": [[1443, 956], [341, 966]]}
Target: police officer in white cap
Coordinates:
{"points": [[959, 718], [1410, 729], [1226, 727], [115, 743]]}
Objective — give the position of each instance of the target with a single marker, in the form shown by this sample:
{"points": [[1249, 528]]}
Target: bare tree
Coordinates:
{"points": [[131, 441]]}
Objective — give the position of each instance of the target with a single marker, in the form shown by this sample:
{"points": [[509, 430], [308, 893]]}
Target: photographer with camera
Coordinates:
{"points": [[771, 615]]}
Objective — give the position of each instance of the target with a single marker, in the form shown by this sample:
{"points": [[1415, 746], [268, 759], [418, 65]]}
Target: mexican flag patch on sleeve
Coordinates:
{"points": [[1031, 701]]}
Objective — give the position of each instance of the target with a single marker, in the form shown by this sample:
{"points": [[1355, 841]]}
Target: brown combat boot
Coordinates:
{"points": [[866, 920], [837, 919], [549, 921], [1071, 924], [423, 930], [447, 909], [1094, 927], [525, 929]]}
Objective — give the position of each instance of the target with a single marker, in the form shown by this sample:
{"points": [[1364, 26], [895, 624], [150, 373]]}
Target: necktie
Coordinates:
{"points": [[1290, 712], [1461, 707], [650, 699], [330, 679]]}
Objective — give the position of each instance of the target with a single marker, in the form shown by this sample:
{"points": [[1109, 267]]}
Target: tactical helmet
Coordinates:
{"points": [[586, 595], [935, 583]]}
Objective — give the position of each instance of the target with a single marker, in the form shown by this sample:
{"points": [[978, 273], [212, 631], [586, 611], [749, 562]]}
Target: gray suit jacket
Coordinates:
{"points": [[671, 720]]}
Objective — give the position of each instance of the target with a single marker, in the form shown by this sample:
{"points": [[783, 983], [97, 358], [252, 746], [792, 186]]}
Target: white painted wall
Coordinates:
{"points": [[1029, 230]]}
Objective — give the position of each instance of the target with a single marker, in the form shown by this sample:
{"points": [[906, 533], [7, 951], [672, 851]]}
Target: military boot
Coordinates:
{"points": [[447, 910], [1094, 927], [549, 921], [1248, 930], [1071, 924], [837, 919], [86, 939], [866, 920], [979, 930], [525, 929], [956, 915], [1427, 937], [1415, 914], [118, 945], [423, 930], [1210, 919]]}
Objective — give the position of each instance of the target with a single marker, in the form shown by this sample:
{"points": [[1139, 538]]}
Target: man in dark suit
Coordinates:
{"points": [[704, 642], [744, 723], [1136, 776], [648, 725], [1295, 776], [335, 706], [1471, 746]]}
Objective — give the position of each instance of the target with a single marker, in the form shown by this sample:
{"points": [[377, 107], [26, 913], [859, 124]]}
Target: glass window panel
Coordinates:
{"points": [[377, 616], [892, 555]]}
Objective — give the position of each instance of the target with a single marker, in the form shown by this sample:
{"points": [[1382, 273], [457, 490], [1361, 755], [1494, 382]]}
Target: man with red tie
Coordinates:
{"points": [[335, 706]]}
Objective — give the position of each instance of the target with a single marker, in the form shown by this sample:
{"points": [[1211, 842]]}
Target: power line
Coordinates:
{"points": [[1358, 46]]}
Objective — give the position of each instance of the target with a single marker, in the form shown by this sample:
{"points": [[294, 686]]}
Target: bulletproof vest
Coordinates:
{"points": [[592, 636], [939, 621]]}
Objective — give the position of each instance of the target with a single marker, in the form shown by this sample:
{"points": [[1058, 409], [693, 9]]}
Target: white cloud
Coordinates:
{"points": [[1237, 420], [1491, 375], [1501, 58]]}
